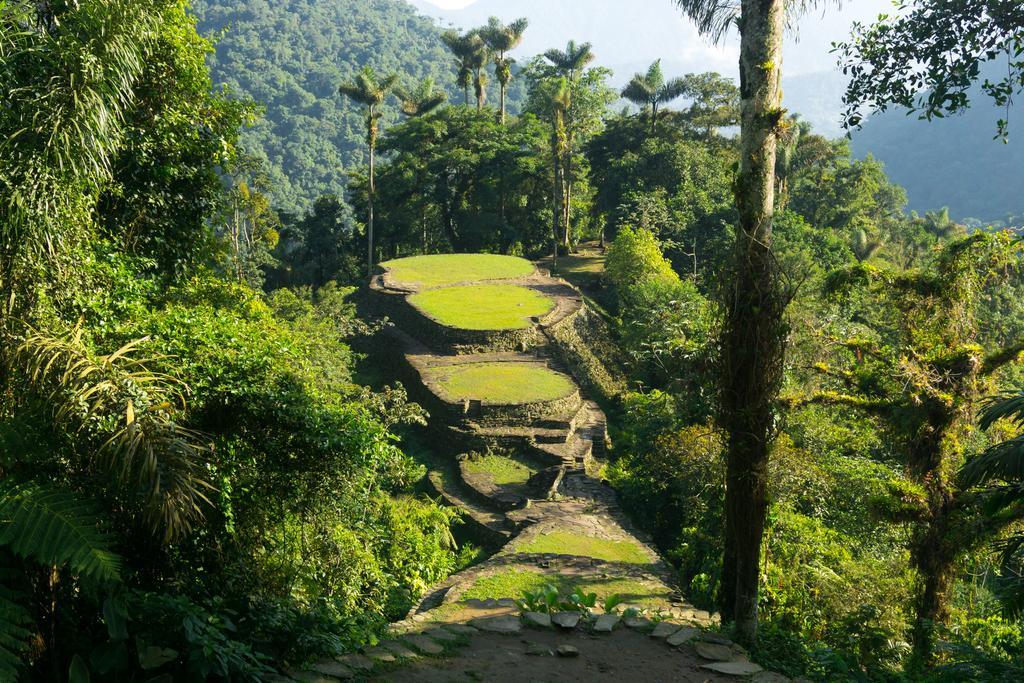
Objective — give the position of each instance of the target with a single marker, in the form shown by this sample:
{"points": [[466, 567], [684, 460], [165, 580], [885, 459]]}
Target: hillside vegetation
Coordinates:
{"points": [[291, 56]]}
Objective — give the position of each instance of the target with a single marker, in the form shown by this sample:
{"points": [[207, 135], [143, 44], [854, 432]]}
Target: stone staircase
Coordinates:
{"points": [[562, 524]]}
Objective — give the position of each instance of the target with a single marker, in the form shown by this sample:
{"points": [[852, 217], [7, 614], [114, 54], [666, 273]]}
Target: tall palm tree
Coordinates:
{"points": [[572, 61], [422, 99], [478, 61], [652, 90], [561, 101], [470, 59], [502, 39], [570, 64], [370, 91], [753, 339]]}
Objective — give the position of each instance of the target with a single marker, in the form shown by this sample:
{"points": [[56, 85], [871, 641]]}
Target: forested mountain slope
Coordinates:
{"points": [[952, 162], [291, 56]]}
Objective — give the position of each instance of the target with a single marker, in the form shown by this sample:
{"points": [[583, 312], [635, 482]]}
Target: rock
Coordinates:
{"points": [[379, 654], [567, 651], [329, 667], [664, 629], [606, 623], [461, 629], [505, 625], [310, 677], [734, 668], [357, 662], [424, 645], [716, 638], [714, 651], [398, 650], [683, 635], [566, 620], [639, 623], [538, 649], [441, 636], [539, 619], [769, 677]]}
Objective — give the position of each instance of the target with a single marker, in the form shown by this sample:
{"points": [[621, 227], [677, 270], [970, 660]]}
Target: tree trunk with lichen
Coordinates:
{"points": [[936, 455], [753, 343]]}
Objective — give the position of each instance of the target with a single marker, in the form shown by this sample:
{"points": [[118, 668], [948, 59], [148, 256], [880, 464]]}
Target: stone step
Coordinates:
{"points": [[492, 527], [515, 433]]}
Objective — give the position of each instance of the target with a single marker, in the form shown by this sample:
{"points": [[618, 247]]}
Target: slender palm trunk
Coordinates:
{"points": [[372, 132], [753, 343], [501, 95], [556, 205]]}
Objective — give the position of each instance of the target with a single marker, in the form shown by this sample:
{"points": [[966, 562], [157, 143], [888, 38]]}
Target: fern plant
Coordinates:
{"points": [[50, 527], [55, 527], [15, 621]]}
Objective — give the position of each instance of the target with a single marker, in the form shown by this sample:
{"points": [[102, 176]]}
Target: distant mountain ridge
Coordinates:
{"points": [[291, 56], [949, 162]]}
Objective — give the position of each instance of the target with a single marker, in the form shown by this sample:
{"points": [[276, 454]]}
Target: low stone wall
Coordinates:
{"points": [[574, 340], [443, 339]]}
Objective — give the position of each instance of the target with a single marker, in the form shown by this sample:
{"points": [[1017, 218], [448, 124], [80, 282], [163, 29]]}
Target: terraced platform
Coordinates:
{"points": [[519, 446]]}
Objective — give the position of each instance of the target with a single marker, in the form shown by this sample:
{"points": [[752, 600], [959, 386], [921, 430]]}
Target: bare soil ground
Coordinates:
{"points": [[622, 657]]}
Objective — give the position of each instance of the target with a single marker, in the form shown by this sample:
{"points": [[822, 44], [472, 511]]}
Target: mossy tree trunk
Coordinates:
{"points": [[753, 343]]}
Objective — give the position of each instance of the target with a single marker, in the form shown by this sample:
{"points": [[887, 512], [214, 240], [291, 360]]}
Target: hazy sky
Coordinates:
{"points": [[807, 50]]}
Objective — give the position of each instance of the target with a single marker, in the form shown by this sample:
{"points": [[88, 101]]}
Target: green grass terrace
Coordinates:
{"points": [[499, 383], [482, 307], [440, 270]]}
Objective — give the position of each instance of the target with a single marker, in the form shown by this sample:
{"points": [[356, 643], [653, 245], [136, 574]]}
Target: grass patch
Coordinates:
{"points": [[438, 270], [503, 471], [514, 584], [565, 543], [501, 383], [482, 307]]}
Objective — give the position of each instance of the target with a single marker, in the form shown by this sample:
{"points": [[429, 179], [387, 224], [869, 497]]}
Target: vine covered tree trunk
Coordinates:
{"points": [[939, 539], [753, 345]]}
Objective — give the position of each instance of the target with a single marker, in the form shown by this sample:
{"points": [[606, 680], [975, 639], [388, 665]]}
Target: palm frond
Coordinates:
{"points": [[713, 18], [638, 92], [127, 412], [1008, 406], [673, 89], [1004, 461], [55, 527]]}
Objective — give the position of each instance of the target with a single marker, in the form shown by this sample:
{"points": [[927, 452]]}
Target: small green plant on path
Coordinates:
{"points": [[567, 543], [483, 307], [549, 599], [438, 270], [501, 383]]}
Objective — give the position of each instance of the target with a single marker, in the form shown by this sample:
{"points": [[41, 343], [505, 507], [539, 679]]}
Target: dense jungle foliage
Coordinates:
{"points": [[194, 483]]}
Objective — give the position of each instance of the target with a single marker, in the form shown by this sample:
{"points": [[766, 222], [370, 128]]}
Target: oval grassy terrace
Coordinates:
{"points": [[499, 383], [482, 307], [439, 270]]}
